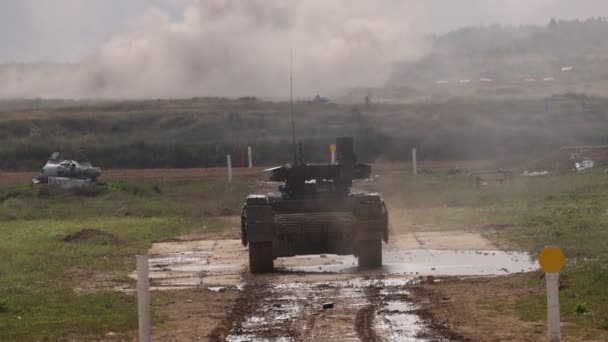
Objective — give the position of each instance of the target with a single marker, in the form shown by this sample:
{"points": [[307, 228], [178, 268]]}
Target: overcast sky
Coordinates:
{"points": [[67, 30]]}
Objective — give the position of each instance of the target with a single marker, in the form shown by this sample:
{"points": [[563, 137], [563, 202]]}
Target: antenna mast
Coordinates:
{"points": [[293, 123]]}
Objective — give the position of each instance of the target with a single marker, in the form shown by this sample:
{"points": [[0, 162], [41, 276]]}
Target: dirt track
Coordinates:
{"points": [[211, 296]]}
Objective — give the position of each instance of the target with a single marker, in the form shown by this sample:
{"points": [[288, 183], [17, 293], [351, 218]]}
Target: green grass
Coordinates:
{"points": [[38, 270], [186, 199], [568, 210]]}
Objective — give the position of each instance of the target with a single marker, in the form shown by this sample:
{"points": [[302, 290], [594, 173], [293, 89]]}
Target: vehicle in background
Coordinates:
{"points": [[58, 169]]}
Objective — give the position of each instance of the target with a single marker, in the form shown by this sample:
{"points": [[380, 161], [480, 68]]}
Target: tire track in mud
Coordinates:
{"points": [[257, 314], [238, 312], [369, 309], [365, 324], [364, 321]]}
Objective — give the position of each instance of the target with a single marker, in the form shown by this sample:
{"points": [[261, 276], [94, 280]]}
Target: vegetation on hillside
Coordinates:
{"points": [[508, 53], [200, 132]]}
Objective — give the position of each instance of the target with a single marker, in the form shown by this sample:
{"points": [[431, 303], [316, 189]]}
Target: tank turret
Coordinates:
{"points": [[313, 180]]}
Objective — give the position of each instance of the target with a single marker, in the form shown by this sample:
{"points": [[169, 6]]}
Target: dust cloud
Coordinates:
{"points": [[238, 48]]}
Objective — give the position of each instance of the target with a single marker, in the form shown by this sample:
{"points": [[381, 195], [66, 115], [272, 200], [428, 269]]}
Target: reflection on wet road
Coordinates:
{"points": [[420, 262]]}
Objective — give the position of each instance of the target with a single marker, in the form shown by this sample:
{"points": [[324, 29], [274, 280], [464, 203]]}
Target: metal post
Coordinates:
{"points": [[249, 152], [333, 156], [414, 161], [229, 162], [143, 299], [553, 306]]}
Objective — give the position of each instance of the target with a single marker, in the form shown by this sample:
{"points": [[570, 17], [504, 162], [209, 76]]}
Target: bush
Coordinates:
{"points": [[582, 309]]}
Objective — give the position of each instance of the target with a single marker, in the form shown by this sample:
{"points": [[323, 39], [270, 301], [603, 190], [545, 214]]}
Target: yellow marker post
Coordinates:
{"points": [[552, 260], [332, 151]]}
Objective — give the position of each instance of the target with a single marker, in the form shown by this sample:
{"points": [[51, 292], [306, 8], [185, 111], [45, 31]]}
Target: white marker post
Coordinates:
{"points": [[551, 261], [229, 163], [332, 151], [250, 155], [414, 162], [553, 319], [143, 299]]}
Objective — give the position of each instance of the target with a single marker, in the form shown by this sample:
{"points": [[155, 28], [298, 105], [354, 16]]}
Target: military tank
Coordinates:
{"points": [[315, 212], [58, 168]]}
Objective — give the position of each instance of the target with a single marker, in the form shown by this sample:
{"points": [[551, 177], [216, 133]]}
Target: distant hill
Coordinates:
{"points": [[494, 60]]}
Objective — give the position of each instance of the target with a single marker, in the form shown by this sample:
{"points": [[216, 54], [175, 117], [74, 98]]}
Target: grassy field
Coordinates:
{"points": [[56, 281], [55, 278], [568, 210]]}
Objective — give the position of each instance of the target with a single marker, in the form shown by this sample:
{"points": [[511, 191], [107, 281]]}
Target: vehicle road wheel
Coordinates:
{"points": [[370, 254], [260, 257]]}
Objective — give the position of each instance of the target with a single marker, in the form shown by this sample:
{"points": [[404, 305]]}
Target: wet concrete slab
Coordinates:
{"points": [[187, 264]]}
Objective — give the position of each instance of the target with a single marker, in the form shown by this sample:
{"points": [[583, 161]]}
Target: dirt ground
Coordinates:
{"points": [[484, 309], [25, 177], [194, 314], [205, 292], [144, 174]]}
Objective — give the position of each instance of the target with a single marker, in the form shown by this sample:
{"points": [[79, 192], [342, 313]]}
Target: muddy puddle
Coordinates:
{"points": [[397, 319], [187, 264], [325, 297], [420, 262], [356, 309]]}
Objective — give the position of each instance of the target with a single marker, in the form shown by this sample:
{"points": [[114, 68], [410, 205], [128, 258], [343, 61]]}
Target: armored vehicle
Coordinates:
{"points": [[57, 167], [316, 212]]}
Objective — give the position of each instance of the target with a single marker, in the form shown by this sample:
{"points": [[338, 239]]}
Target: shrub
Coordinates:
{"points": [[582, 309]]}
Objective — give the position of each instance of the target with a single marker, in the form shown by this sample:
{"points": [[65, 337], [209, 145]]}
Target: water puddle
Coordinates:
{"points": [[212, 263], [253, 338], [397, 321], [324, 263], [421, 262], [457, 263]]}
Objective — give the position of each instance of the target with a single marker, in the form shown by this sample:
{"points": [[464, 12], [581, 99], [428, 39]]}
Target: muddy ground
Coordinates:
{"points": [[206, 293]]}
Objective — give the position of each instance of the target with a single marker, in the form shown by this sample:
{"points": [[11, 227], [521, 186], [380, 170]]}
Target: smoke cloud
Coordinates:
{"points": [[238, 48]]}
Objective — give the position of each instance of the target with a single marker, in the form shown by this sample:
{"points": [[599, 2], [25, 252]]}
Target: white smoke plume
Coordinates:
{"points": [[239, 48]]}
